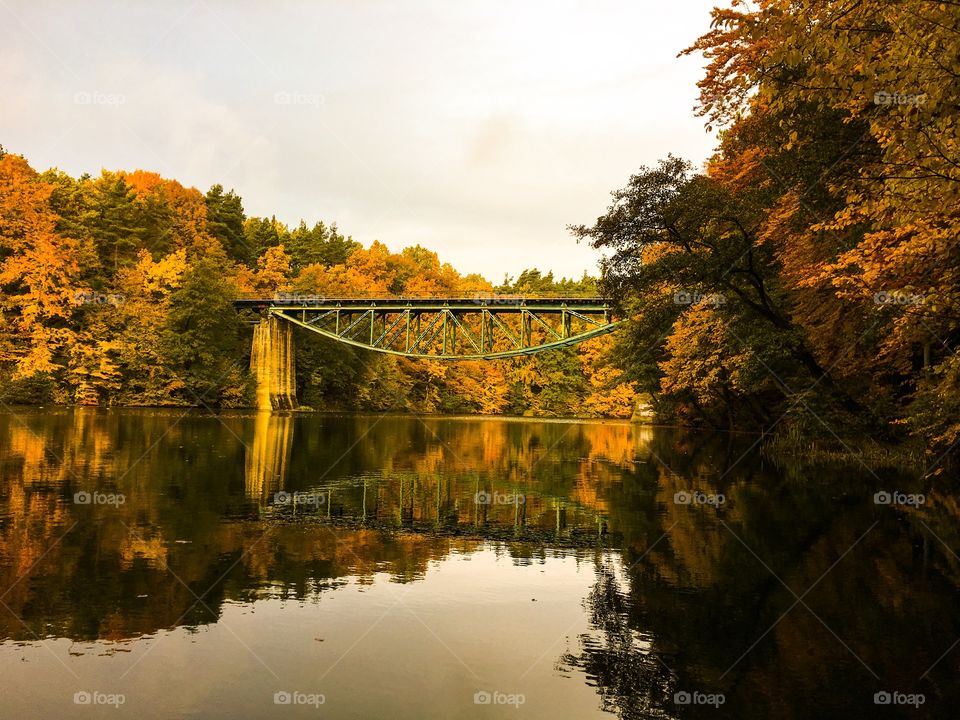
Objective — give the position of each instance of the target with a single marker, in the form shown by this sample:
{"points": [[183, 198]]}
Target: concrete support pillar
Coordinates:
{"points": [[271, 362]]}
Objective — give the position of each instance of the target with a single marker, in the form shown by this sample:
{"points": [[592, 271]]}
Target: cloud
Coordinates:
{"points": [[491, 141], [479, 129]]}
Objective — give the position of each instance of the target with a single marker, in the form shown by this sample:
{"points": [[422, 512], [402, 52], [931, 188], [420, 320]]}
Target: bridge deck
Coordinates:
{"points": [[301, 300]]}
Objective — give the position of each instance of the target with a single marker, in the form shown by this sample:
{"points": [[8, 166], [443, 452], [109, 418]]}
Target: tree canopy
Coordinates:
{"points": [[808, 274]]}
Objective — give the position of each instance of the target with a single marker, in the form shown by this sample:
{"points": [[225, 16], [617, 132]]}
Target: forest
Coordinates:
{"points": [[118, 289]]}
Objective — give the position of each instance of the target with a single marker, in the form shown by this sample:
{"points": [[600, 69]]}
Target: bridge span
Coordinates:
{"points": [[483, 327]]}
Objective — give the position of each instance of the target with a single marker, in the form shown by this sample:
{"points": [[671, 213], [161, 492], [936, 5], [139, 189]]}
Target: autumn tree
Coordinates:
{"points": [[319, 245], [200, 343], [225, 221], [861, 98], [262, 233], [39, 283]]}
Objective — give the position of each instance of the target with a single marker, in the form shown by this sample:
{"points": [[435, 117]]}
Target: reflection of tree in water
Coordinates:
{"points": [[200, 519], [617, 659]]}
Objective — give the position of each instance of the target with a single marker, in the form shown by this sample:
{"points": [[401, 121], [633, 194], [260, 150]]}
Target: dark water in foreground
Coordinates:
{"points": [[160, 565]]}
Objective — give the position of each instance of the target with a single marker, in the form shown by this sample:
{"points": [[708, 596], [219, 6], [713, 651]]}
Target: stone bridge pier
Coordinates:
{"points": [[271, 362]]}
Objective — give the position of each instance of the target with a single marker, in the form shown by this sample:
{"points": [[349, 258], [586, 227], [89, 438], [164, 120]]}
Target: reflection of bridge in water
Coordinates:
{"points": [[481, 328], [186, 525], [486, 503]]}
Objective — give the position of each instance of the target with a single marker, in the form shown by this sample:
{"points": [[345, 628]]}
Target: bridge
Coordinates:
{"points": [[483, 327]]}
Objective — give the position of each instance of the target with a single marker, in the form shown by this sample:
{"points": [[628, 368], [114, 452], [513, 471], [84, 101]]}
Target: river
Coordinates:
{"points": [[162, 564]]}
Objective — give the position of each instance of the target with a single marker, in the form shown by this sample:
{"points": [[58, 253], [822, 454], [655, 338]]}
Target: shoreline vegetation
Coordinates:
{"points": [[786, 447], [251, 411], [909, 457]]}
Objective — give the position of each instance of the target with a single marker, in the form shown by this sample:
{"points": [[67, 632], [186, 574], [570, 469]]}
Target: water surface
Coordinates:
{"points": [[156, 564]]}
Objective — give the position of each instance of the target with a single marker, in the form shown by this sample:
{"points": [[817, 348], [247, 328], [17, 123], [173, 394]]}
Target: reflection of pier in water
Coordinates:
{"points": [[268, 455]]}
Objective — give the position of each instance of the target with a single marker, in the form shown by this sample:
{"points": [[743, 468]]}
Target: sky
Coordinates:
{"points": [[477, 128]]}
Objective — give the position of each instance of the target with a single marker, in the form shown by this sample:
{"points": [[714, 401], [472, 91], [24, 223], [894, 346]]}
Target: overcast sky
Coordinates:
{"points": [[479, 129]]}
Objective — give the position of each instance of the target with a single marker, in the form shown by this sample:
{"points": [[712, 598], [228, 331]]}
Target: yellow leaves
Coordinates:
{"points": [[371, 263], [653, 253], [608, 395], [162, 276], [142, 182], [45, 344], [187, 208], [699, 358], [422, 287], [273, 270], [609, 398], [352, 280], [435, 370], [743, 170], [780, 223], [590, 352], [484, 383], [314, 279], [472, 285], [527, 372], [39, 268], [94, 369]]}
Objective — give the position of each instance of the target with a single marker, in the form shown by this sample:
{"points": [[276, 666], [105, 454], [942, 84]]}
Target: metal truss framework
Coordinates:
{"points": [[448, 328]]}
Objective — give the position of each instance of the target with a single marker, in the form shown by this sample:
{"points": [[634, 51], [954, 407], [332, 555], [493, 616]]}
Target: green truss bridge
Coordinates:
{"points": [[450, 328]]}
